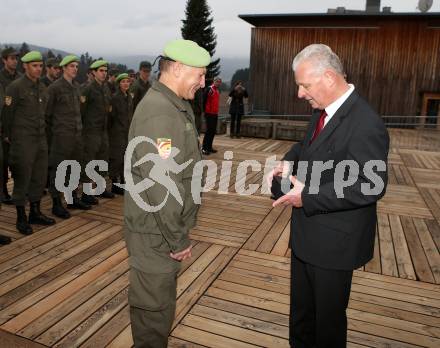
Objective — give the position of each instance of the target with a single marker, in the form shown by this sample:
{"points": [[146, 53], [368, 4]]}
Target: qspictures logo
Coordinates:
{"points": [[160, 166]]}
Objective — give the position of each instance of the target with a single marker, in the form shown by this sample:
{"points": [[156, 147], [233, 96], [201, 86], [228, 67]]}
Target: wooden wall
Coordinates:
{"points": [[390, 61]]}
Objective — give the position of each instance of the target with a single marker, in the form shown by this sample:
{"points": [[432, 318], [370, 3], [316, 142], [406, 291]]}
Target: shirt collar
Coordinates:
{"points": [[333, 107]]}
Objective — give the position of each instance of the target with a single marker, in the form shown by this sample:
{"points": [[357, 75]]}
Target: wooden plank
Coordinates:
{"points": [[188, 298], [237, 333], [429, 247], [259, 234], [174, 342], [125, 339], [273, 235], [109, 331], [30, 295], [421, 265], [403, 257], [374, 265], [434, 229], [26, 317], [387, 257], [94, 322], [8, 340], [243, 310], [207, 339], [281, 246]]}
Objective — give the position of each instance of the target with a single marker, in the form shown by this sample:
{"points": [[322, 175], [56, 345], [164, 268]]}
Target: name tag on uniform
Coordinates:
{"points": [[188, 126]]}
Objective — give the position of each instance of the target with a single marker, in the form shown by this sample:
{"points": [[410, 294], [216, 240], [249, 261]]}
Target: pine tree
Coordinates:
{"points": [[197, 26]]}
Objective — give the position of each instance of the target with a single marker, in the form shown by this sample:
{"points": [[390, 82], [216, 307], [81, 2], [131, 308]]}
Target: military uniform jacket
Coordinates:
{"points": [[63, 113], [6, 78], [163, 117], [47, 82], [95, 107], [121, 114], [24, 111], [139, 89]]}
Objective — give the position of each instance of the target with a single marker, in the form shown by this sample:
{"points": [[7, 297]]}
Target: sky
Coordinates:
{"points": [[137, 27]]}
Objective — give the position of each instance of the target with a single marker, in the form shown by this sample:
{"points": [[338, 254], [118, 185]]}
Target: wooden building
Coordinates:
{"points": [[392, 58]]}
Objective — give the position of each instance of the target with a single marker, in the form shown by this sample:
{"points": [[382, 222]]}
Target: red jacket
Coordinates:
{"points": [[212, 101]]}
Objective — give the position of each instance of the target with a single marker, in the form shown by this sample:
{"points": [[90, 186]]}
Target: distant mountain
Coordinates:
{"points": [[42, 49], [228, 65]]}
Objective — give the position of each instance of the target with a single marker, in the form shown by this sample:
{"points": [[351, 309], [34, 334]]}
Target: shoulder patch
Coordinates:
{"points": [[8, 100], [188, 126], [83, 98], [164, 147]]}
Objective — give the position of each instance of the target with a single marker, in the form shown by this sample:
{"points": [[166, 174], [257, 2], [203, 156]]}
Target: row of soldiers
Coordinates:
{"points": [[51, 119]]}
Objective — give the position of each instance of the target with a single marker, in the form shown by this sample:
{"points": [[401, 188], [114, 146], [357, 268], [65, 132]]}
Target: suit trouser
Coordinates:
{"points": [[152, 300], [319, 299], [29, 162], [211, 128], [96, 147], [63, 147]]}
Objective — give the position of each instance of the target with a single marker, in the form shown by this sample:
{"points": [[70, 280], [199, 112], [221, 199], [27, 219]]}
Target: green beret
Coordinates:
{"points": [[52, 62], [32, 56], [69, 59], [122, 76], [187, 52], [97, 64]]}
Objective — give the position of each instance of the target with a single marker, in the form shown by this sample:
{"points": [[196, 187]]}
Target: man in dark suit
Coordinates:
{"points": [[339, 173]]}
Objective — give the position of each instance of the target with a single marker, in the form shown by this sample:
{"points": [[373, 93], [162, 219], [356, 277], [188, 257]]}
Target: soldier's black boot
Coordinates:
{"points": [[37, 217], [107, 194], [58, 209], [78, 204], [4, 240], [116, 189], [89, 199], [22, 224], [6, 196]]}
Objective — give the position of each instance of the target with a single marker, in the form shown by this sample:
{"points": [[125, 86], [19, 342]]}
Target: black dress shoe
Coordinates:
{"points": [[89, 199], [205, 152], [78, 204], [4, 240], [213, 151], [117, 190], [107, 194]]}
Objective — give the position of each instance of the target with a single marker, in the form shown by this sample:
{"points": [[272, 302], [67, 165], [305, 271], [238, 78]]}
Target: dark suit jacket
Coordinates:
{"points": [[332, 232]]}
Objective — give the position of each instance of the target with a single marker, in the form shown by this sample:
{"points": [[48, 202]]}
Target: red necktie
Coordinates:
{"points": [[319, 125]]}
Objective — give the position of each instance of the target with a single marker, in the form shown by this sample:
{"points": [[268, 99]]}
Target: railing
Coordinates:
{"points": [[406, 132]]}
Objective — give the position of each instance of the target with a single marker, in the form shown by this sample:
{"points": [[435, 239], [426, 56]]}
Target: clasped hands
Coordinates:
{"points": [[293, 197]]}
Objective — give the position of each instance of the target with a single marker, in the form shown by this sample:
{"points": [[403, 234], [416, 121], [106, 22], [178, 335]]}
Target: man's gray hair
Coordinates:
{"points": [[322, 58]]}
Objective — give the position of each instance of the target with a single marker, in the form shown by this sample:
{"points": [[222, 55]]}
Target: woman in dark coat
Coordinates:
{"points": [[120, 119], [236, 107]]}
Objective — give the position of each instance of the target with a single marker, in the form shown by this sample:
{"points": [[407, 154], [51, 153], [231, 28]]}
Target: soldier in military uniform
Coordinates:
{"points": [[111, 82], [3, 239], [63, 116], [53, 71], [8, 74], [120, 119], [141, 84], [95, 108], [158, 241], [25, 126]]}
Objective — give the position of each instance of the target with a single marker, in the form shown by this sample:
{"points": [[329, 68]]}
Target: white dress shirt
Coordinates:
{"points": [[333, 107]]}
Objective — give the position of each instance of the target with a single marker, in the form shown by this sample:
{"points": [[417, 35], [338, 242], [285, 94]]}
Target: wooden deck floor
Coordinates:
{"points": [[66, 285]]}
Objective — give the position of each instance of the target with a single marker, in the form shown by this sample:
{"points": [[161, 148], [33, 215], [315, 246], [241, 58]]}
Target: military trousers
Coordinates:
{"points": [[95, 145], [152, 300], [29, 161], [118, 145], [5, 164], [63, 147]]}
